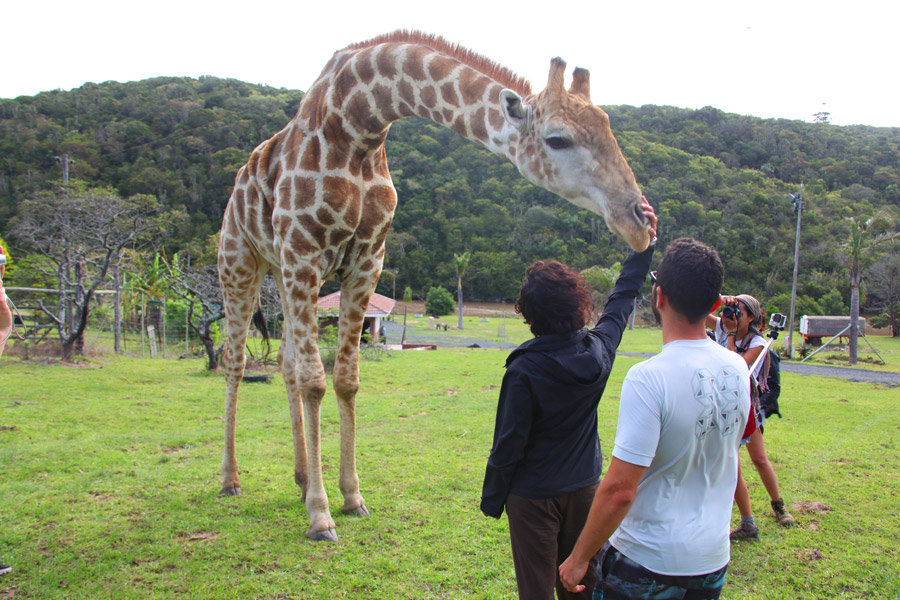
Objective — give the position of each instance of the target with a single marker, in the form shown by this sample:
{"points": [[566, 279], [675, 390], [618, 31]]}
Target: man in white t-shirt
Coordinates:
{"points": [[662, 512]]}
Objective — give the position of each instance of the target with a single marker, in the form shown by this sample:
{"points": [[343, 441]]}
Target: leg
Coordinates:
{"points": [[575, 508], [533, 532], [346, 385], [299, 302], [287, 359], [747, 529], [239, 295], [742, 495], [756, 447]]}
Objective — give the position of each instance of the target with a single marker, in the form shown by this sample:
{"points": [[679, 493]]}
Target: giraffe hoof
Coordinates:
{"points": [[362, 511], [328, 535], [230, 491]]}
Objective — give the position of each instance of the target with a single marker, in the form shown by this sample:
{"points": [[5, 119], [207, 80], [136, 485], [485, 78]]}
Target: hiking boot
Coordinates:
{"points": [[745, 532], [4, 569], [781, 513]]}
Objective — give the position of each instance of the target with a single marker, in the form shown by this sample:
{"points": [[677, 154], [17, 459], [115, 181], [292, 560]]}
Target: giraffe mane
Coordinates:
{"points": [[477, 61]]}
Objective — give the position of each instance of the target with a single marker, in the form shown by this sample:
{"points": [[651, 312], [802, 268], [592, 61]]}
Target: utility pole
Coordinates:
{"points": [[797, 200]]}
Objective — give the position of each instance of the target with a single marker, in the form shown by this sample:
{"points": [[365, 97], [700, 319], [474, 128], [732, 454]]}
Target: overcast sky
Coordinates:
{"points": [[786, 59]]}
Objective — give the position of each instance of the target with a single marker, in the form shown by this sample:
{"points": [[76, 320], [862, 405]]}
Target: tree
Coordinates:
{"points": [[602, 281], [199, 287], [460, 263], [81, 233], [884, 290], [864, 237], [438, 302]]}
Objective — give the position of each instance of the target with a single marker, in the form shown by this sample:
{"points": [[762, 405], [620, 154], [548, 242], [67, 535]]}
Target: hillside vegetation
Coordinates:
{"points": [[720, 177]]}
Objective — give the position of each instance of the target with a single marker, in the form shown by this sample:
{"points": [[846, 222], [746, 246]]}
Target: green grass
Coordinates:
{"points": [[109, 472]]}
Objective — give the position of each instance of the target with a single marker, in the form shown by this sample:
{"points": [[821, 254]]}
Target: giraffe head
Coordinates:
{"points": [[565, 145]]}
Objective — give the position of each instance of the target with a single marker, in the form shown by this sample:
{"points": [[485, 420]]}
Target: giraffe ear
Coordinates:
{"points": [[514, 110], [581, 84]]}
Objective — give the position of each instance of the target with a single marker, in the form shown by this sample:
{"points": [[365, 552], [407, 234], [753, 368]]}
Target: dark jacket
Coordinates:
{"points": [[545, 436]]}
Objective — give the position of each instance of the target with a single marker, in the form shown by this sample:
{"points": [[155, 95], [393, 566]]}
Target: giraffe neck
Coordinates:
{"points": [[362, 91]]}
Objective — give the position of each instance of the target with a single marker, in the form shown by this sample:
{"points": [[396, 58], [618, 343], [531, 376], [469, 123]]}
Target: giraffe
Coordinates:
{"points": [[315, 201]]}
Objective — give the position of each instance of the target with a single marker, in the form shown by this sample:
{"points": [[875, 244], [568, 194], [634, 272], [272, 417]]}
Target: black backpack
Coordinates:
{"points": [[768, 399]]}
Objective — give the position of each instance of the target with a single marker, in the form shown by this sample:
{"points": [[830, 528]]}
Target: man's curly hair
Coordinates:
{"points": [[554, 298]]}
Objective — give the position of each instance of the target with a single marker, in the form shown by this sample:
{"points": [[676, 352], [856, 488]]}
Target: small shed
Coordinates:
{"points": [[379, 308]]}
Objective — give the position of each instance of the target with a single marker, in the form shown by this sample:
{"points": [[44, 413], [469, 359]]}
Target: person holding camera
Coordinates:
{"points": [[739, 329], [545, 461], [6, 322]]}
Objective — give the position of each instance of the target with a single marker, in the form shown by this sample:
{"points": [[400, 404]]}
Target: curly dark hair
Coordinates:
{"points": [[554, 298]]}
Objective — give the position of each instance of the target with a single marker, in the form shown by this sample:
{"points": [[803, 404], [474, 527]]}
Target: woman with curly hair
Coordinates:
{"points": [[545, 463]]}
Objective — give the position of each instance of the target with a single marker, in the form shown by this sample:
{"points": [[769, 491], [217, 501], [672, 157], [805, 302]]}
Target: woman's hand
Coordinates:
{"points": [[651, 216]]}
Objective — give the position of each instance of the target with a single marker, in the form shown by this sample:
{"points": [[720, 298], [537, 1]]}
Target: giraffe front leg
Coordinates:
{"points": [[346, 386], [321, 525], [238, 311], [307, 378]]}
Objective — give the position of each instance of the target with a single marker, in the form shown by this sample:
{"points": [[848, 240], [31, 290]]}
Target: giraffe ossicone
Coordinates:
{"points": [[315, 201]]}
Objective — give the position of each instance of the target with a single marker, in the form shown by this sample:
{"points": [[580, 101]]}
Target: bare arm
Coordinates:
{"points": [[5, 318], [611, 503]]}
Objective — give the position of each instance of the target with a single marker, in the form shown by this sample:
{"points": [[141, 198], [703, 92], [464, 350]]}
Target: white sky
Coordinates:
{"points": [[774, 59]]}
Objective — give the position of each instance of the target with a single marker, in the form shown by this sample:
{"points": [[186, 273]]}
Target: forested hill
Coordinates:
{"points": [[720, 177]]}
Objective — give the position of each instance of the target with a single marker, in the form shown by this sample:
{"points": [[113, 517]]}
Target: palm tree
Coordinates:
{"points": [[864, 237], [461, 262]]}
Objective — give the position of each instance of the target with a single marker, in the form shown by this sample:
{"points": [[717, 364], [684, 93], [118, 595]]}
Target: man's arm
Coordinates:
{"points": [[611, 503]]}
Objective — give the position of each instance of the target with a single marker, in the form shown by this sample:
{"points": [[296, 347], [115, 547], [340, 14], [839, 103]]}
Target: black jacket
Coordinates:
{"points": [[545, 436]]}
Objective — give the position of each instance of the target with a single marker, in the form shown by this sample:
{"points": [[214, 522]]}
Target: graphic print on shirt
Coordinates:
{"points": [[719, 397]]}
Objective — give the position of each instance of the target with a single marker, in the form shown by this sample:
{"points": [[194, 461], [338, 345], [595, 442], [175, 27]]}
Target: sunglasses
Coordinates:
{"points": [[652, 277]]}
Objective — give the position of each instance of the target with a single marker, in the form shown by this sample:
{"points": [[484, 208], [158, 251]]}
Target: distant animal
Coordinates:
{"points": [[316, 200]]}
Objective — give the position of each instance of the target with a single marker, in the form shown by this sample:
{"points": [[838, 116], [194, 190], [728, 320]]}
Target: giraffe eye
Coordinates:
{"points": [[556, 142]]}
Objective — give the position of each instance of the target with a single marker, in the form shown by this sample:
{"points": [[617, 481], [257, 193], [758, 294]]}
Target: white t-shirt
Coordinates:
{"points": [[755, 342], [681, 415]]}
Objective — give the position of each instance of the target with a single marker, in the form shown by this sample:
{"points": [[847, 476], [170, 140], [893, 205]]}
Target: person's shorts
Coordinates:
{"points": [[760, 419], [620, 578]]}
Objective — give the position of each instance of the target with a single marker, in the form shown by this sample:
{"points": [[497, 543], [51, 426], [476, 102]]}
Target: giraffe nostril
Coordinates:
{"points": [[639, 215]]}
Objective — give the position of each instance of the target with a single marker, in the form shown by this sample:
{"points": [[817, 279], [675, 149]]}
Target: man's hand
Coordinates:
{"points": [[571, 572]]}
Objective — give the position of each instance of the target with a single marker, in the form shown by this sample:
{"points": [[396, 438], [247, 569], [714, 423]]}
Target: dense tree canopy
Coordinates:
{"points": [[720, 177]]}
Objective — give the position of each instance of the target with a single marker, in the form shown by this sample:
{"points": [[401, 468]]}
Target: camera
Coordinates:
{"points": [[778, 321], [731, 312]]}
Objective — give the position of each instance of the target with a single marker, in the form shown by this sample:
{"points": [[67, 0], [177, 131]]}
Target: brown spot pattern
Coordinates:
{"points": [[413, 63], [429, 96], [312, 155], [304, 192], [479, 130], [385, 63], [364, 68], [459, 126], [440, 67], [338, 193], [472, 85], [406, 92], [448, 93]]}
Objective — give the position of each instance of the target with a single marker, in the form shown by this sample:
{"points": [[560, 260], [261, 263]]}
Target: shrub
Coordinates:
{"points": [[439, 302]]}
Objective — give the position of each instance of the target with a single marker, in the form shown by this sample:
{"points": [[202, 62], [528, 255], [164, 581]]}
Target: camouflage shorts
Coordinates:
{"points": [[620, 578]]}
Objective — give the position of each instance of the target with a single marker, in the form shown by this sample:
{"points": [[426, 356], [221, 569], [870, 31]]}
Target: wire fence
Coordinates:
{"points": [[144, 327]]}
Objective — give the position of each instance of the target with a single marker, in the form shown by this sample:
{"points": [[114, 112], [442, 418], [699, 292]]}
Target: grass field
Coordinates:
{"points": [[109, 472]]}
